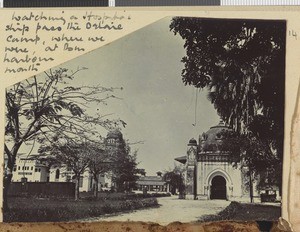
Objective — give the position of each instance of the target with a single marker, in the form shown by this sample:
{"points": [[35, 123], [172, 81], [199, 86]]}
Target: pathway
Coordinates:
{"points": [[171, 210]]}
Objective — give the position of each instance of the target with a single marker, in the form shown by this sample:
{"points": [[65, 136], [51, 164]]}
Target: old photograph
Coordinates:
{"points": [[182, 120]]}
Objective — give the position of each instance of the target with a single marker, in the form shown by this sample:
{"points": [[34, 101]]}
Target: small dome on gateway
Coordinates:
{"points": [[192, 142], [114, 134]]}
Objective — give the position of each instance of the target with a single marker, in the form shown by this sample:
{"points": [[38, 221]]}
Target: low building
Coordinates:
{"points": [[30, 168], [152, 183]]}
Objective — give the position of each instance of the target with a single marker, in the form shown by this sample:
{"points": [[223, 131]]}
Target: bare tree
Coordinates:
{"points": [[39, 108], [72, 154], [99, 163]]}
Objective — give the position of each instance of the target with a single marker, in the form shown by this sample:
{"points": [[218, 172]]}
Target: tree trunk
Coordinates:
{"points": [[77, 187], [6, 183], [8, 175], [251, 186], [96, 187]]}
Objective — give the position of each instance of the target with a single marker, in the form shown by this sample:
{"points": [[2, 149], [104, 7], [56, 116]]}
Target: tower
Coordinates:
{"points": [[116, 149], [114, 140], [191, 170]]}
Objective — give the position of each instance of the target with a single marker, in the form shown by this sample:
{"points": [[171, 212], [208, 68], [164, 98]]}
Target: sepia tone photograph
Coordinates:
{"points": [[182, 120]]}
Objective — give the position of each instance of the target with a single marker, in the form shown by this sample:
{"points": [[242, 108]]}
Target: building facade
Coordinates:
{"points": [[210, 173], [30, 169], [114, 144]]}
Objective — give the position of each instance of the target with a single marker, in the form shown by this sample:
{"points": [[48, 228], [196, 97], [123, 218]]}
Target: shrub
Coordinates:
{"points": [[43, 210]]}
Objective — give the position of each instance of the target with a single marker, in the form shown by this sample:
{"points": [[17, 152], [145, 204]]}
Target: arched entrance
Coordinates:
{"points": [[218, 188]]}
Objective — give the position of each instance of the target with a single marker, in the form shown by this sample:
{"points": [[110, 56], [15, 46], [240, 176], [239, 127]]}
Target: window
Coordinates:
{"points": [[15, 168], [57, 174], [35, 170], [81, 182], [19, 167], [31, 168], [91, 182], [111, 141], [219, 136]]}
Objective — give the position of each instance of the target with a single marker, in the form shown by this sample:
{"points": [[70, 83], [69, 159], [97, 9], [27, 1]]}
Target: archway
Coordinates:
{"points": [[218, 188]]}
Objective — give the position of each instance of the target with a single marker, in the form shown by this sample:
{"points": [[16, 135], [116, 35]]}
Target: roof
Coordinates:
{"points": [[212, 138], [181, 159], [192, 142], [141, 182], [150, 180], [115, 134]]}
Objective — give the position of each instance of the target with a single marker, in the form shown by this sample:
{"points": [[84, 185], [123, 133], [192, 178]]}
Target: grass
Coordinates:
{"points": [[54, 210], [246, 212]]}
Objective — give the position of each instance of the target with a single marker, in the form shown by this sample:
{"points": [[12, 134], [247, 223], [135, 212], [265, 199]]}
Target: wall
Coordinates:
{"points": [[42, 189], [207, 170], [31, 170]]}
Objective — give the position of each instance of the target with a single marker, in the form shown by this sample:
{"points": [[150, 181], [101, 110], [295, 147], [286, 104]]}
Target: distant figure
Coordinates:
{"points": [[145, 190]]}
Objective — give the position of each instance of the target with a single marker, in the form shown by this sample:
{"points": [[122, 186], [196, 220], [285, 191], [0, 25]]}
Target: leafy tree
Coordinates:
{"points": [[40, 107], [125, 171], [141, 171], [249, 154], [242, 65], [175, 179]]}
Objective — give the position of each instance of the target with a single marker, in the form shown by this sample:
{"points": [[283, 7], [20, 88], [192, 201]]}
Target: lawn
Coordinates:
{"points": [[246, 212], [52, 210]]}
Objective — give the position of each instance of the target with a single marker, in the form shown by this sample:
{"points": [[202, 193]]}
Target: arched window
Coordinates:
{"points": [[219, 136]]}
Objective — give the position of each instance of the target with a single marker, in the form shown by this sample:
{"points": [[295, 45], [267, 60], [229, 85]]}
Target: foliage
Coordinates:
{"points": [[175, 179], [54, 210], [242, 64], [255, 155], [122, 162], [125, 171]]}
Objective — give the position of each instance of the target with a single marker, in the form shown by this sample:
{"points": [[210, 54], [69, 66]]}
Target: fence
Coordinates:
{"points": [[42, 189]]}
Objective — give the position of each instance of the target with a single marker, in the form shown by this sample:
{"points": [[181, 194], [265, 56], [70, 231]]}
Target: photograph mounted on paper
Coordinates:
{"points": [[182, 120]]}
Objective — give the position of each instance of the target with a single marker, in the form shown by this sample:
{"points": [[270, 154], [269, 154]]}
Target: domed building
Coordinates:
{"points": [[210, 174]]}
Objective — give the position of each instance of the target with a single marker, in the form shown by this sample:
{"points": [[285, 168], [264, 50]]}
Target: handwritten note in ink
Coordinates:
{"points": [[64, 33]]}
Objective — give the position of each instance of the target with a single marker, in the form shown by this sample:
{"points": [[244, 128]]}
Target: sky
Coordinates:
{"points": [[156, 105]]}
